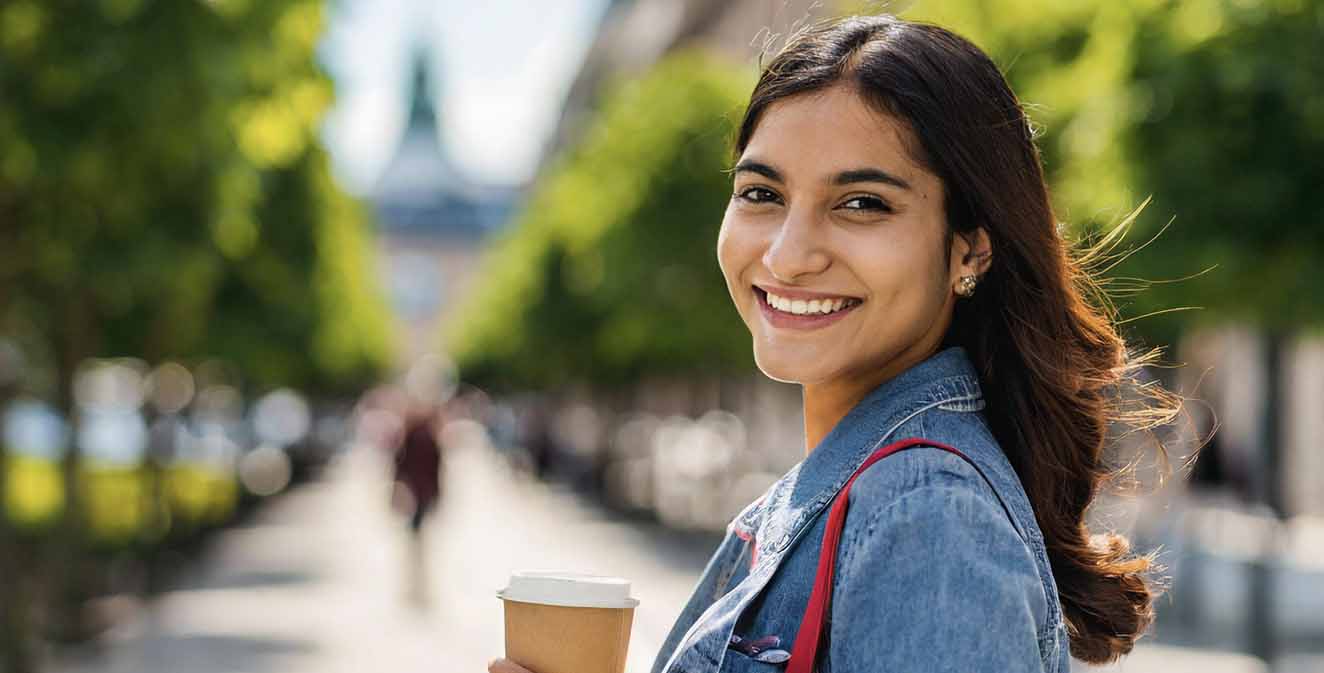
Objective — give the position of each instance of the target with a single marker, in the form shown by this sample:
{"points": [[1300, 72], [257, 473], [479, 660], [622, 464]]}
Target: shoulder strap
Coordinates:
{"points": [[807, 639]]}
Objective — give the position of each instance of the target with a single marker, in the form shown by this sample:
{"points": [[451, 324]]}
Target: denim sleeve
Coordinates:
{"points": [[936, 580]]}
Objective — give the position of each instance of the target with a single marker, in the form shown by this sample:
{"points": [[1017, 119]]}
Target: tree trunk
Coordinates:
{"points": [[68, 581], [17, 647], [18, 637]]}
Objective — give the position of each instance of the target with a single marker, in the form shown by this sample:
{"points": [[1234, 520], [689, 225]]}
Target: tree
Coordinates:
{"points": [[1211, 107], [611, 271], [163, 195], [1228, 128]]}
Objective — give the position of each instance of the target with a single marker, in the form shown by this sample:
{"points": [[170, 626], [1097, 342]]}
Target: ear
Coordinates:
{"points": [[972, 253]]}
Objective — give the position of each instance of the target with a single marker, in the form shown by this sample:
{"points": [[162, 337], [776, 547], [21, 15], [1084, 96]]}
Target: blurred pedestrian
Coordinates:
{"points": [[418, 465], [538, 441], [418, 478], [891, 247]]}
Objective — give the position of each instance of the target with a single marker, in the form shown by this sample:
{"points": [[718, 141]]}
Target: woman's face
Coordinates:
{"points": [[833, 245]]}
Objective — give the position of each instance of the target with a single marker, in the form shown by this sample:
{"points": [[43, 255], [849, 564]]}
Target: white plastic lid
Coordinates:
{"points": [[576, 590]]}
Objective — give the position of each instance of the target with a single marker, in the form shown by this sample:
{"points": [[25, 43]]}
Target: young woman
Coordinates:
{"points": [[891, 247]]}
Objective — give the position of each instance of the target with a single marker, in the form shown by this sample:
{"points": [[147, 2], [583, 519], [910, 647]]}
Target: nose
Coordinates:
{"points": [[797, 249]]}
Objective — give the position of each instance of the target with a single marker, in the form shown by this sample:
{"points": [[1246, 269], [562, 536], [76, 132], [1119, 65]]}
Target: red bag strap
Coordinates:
{"points": [[805, 651]]}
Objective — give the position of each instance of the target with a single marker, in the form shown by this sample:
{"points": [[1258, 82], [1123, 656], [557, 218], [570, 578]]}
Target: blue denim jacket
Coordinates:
{"points": [[938, 569]]}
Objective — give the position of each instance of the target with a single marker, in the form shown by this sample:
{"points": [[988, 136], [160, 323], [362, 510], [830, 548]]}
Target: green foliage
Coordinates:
{"points": [[162, 193], [611, 271], [1228, 128], [1213, 107], [34, 491], [163, 196], [199, 496], [1069, 63], [120, 505]]}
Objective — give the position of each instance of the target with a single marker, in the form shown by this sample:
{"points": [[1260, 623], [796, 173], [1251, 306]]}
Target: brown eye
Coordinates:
{"points": [[756, 195], [871, 203]]}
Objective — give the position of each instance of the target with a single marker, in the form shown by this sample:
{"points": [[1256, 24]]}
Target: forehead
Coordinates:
{"points": [[821, 133]]}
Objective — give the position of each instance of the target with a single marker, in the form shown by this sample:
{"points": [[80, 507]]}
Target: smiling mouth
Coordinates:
{"points": [[805, 307]]}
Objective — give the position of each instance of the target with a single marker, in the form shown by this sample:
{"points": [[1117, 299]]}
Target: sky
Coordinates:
{"points": [[502, 68]]}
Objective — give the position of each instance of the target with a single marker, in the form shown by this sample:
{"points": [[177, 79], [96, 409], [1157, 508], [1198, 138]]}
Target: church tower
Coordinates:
{"points": [[431, 219], [421, 191]]}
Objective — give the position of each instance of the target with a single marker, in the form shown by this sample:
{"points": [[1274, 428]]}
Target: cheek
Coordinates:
{"points": [[902, 274], [724, 249], [735, 248]]}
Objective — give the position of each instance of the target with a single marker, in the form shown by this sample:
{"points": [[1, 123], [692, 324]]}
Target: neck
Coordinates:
{"points": [[826, 403]]}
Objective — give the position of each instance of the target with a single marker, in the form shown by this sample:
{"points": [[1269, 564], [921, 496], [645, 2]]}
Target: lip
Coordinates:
{"points": [[784, 320]]}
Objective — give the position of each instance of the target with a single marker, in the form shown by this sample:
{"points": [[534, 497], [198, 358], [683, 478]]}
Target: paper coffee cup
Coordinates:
{"points": [[561, 622]]}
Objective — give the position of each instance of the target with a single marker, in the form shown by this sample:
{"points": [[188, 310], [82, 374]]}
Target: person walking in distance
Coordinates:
{"points": [[417, 492]]}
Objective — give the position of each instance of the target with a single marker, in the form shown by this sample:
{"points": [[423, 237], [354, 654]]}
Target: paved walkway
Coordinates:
{"points": [[321, 582]]}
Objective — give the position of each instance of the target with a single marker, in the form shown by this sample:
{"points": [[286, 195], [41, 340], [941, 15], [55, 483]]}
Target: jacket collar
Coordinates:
{"points": [[946, 377]]}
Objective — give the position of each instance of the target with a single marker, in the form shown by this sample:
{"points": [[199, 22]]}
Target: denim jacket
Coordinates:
{"points": [[939, 568]]}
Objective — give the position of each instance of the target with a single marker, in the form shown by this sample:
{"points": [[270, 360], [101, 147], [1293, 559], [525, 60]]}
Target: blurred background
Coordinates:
{"points": [[319, 317]]}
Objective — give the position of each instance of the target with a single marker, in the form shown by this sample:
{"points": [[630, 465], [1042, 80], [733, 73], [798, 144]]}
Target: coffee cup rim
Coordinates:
{"points": [[568, 589]]}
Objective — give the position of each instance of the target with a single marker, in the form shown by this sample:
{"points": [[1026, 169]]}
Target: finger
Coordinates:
{"points": [[505, 666]]}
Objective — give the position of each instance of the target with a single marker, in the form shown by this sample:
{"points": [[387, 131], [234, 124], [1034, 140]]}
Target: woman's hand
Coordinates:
{"points": [[505, 666]]}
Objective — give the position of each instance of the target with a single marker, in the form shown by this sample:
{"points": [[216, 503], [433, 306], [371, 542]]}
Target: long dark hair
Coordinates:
{"points": [[1040, 329]]}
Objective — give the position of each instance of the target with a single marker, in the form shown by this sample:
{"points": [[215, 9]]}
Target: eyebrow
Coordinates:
{"points": [[869, 175], [842, 178]]}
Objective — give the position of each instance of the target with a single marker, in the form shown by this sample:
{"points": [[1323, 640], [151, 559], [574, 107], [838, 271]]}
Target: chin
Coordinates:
{"points": [[790, 368]]}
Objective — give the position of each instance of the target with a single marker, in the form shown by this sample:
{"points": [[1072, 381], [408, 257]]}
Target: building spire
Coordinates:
{"points": [[421, 166], [422, 115]]}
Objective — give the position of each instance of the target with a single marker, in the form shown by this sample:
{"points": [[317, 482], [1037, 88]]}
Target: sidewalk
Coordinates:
{"points": [[319, 582]]}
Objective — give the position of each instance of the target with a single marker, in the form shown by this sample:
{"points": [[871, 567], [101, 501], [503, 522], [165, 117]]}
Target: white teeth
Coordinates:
{"points": [[802, 307]]}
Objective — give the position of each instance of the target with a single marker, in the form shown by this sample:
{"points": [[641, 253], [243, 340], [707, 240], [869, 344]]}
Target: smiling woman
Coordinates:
{"points": [[890, 245]]}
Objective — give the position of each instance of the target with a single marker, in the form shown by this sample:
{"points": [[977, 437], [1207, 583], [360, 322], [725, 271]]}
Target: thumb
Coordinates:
{"points": [[505, 666]]}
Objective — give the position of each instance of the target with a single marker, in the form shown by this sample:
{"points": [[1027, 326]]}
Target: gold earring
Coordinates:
{"points": [[966, 286]]}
